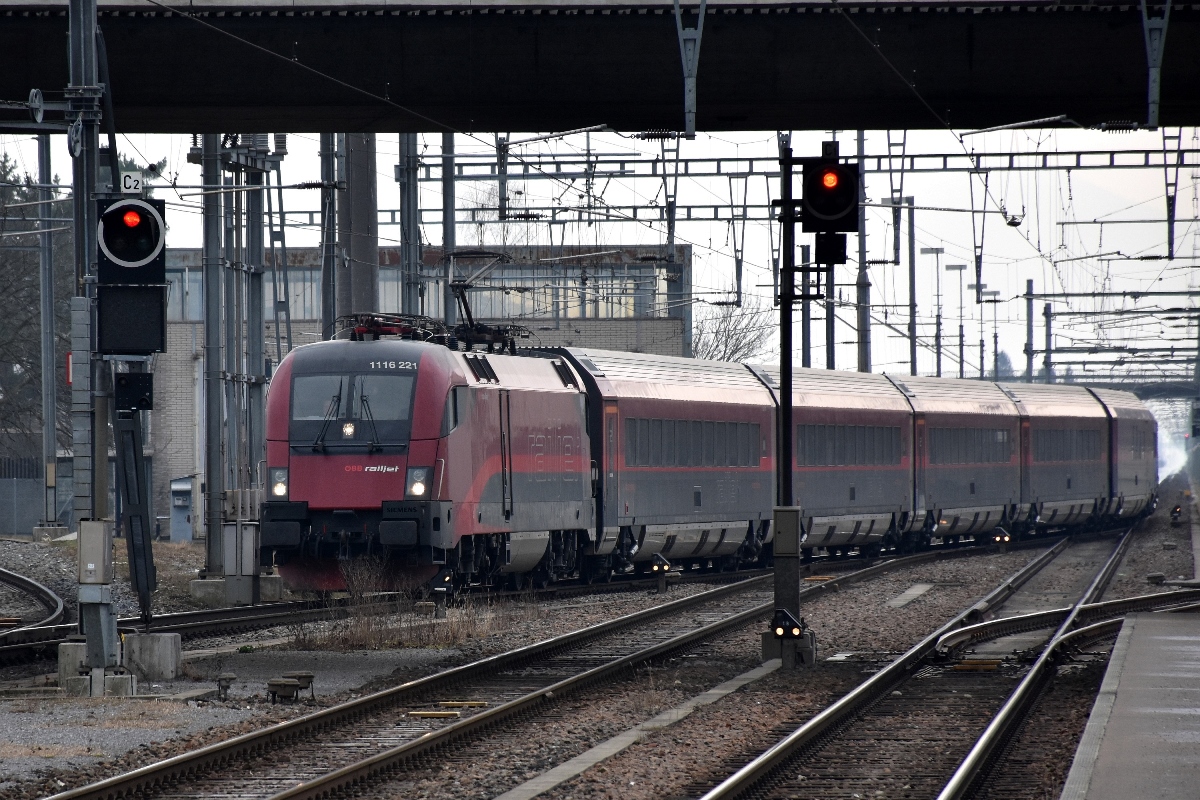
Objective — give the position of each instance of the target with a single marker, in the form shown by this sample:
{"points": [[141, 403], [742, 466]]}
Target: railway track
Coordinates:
{"points": [[42, 595], [911, 729], [39, 642], [323, 753]]}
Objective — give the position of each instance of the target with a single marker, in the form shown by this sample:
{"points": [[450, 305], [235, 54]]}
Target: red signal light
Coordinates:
{"points": [[829, 179], [132, 219]]}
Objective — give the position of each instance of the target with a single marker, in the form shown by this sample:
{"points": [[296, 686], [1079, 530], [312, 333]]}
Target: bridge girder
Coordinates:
{"points": [[500, 66]]}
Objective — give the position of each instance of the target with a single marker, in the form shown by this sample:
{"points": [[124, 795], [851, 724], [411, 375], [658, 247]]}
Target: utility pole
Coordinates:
{"points": [[864, 281], [787, 299], [936, 252], [1029, 331], [449, 224], [256, 378], [805, 308], [49, 406], [83, 98], [978, 289], [329, 188], [214, 476], [410, 220], [830, 322], [993, 298], [1048, 361], [912, 286], [962, 339]]}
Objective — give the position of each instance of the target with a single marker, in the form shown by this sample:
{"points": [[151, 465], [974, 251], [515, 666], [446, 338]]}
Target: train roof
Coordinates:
{"points": [[621, 374], [1123, 405], [826, 388], [517, 372], [1041, 400], [955, 396]]}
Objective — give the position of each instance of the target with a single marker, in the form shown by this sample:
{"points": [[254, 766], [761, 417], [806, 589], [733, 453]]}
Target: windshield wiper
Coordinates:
{"points": [[335, 406], [374, 445]]}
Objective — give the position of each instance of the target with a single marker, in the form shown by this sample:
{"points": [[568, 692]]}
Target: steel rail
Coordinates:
{"points": [[977, 761], [14, 645], [390, 760], [220, 753], [1111, 627], [145, 779], [1038, 620], [29, 643], [867, 692], [45, 597]]}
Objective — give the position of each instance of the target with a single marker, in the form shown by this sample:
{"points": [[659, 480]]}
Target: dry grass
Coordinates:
{"points": [[403, 620], [176, 565], [14, 750]]}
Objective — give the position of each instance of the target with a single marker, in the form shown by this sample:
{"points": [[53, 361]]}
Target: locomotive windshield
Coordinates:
{"points": [[349, 410]]}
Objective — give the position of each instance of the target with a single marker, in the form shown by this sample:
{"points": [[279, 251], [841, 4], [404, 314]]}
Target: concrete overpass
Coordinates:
{"points": [[484, 65]]}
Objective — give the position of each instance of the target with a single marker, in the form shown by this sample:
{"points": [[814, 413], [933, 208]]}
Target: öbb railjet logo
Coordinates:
{"points": [[376, 468]]}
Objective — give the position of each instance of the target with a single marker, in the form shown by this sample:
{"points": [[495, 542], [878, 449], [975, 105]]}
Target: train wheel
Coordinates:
{"points": [[596, 570]]}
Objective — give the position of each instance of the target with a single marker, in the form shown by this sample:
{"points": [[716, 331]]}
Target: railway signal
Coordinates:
{"points": [[131, 275], [132, 240], [786, 626], [830, 198]]}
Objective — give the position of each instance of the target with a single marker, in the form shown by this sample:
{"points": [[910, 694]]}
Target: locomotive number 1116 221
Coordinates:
{"points": [[393, 365]]}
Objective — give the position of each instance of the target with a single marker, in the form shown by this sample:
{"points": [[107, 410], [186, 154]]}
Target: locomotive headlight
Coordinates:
{"points": [[348, 430], [416, 484], [279, 483]]}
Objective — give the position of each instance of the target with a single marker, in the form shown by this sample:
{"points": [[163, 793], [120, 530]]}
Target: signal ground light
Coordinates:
{"points": [[660, 567], [785, 626], [1001, 537]]}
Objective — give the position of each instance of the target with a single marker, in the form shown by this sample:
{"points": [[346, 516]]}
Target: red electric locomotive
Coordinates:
{"points": [[431, 458]]}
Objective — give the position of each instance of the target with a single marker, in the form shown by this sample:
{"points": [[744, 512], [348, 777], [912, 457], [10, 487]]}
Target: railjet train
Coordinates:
{"points": [[562, 463]]}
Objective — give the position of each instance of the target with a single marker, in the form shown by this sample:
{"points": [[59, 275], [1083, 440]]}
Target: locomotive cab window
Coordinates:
{"points": [[351, 410]]}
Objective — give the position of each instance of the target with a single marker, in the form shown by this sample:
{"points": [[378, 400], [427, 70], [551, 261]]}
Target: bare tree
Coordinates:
{"points": [[20, 321], [730, 333]]}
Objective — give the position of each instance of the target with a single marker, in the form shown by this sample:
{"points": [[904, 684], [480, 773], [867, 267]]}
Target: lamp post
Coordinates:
{"points": [[960, 269], [936, 252]]}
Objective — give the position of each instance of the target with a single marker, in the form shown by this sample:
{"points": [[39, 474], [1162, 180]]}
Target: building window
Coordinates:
{"points": [[185, 295]]}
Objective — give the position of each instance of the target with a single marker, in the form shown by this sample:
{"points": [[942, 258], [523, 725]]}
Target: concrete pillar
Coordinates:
{"points": [[71, 658], [358, 227], [153, 656]]}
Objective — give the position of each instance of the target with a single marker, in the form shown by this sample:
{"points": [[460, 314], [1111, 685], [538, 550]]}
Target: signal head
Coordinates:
{"points": [[830, 199], [131, 235]]}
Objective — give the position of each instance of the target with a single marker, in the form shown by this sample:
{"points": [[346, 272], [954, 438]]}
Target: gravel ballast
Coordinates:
{"points": [[677, 761], [1158, 546]]}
